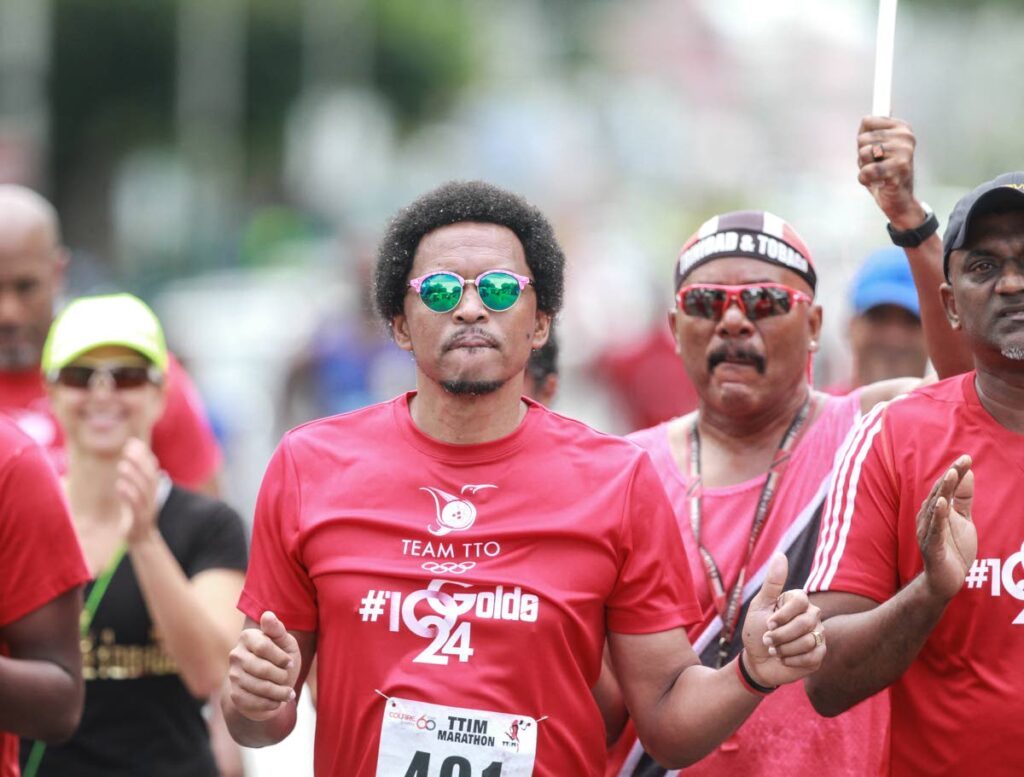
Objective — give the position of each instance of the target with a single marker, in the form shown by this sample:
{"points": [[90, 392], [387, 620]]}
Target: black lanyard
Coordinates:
{"points": [[728, 605]]}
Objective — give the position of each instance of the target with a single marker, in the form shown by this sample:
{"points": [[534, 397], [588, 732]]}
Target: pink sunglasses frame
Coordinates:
{"points": [[522, 280], [417, 282]]}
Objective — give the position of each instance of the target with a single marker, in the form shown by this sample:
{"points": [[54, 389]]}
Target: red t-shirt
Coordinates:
{"points": [[958, 709], [784, 734], [182, 438], [482, 577], [647, 378], [39, 554]]}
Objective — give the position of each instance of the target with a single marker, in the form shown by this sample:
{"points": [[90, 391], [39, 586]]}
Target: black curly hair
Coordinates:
{"points": [[467, 201]]}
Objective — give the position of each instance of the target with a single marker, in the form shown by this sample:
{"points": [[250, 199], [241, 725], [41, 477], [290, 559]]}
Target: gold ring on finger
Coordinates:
{"points": [[819, 637]]}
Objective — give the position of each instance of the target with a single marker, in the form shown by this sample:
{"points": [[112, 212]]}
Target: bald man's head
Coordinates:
{"points": [[32, 264]]}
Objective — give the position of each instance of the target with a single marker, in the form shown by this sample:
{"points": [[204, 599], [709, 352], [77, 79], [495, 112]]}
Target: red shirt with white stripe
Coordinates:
{"points": [[959, 708], [482, 577], [784, 734]]}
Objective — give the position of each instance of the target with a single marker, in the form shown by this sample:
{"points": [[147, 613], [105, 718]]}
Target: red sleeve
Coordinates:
{"points": [[40, 557], [277, 578], [858, 546], [650, 595], [182, 439]]}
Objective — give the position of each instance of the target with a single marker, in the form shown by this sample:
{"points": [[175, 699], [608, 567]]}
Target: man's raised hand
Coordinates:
{"points": [[263, 668], [945, 532], [885, 157], [782, 633]]}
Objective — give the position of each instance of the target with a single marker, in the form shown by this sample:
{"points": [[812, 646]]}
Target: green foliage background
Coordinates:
{"points": [[113, 77]]}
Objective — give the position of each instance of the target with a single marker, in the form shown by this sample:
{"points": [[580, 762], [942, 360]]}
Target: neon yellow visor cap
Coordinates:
{"points": [[108, 319]]}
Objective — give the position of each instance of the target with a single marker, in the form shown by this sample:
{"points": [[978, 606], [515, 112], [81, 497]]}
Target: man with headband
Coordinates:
{"points": [[459, 556], [748, 471], [893, 557]]}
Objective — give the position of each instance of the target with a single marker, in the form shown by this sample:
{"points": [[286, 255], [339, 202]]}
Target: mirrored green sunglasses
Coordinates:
{"points": [[442, 291]]}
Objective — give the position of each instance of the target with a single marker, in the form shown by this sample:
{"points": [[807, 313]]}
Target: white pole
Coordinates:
{"points": [[885, 42]]}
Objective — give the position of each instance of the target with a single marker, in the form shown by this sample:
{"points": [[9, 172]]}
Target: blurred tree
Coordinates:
{"points": [[112, 88], [422, 53], [273, 80], [113, 84], [965, 5]]}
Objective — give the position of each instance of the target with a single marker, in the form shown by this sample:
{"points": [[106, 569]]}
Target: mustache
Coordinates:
{"points": [[736, 353], [458, 339]]}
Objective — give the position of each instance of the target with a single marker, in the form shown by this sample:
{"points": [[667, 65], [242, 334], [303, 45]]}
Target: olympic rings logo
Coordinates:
{"points": [[448, 567], [423, 723]]}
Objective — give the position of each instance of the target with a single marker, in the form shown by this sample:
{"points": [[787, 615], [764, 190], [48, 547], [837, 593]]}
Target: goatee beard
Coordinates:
{"points": [[471, 388]]}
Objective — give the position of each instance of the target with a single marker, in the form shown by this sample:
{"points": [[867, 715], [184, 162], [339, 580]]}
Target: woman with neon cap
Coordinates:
{"points": [[168, 564]]}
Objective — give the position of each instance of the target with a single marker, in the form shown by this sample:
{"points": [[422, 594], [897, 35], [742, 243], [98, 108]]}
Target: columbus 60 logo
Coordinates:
{"points": [[454, 513]]}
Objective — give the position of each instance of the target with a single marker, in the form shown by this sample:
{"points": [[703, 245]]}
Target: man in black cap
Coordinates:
{"points": [[895, 551]]}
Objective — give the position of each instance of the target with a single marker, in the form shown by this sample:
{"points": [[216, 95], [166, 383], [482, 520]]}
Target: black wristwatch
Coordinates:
{"points": [[912, 238]]}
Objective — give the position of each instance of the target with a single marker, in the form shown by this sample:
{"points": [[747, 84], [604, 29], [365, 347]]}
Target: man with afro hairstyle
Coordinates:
{"points": [[458, 557], [470, 202]]}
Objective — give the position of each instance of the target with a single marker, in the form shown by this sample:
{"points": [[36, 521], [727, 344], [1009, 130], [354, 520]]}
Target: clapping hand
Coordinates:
{"points": [[945, 532], [138, 481]]}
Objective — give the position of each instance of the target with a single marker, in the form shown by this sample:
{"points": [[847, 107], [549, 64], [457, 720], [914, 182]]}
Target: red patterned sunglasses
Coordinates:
{"points": [[756, 300]]}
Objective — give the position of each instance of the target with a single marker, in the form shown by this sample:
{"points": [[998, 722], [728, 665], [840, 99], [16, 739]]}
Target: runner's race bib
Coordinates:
{"points": [[418, 739]]}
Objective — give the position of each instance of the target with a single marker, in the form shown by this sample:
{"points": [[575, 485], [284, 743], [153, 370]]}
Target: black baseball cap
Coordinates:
{"points": [[1006, 192]]}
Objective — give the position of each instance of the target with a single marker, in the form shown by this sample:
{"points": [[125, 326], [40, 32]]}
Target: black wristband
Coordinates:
{"points": [[749, 681], [912, 238]]}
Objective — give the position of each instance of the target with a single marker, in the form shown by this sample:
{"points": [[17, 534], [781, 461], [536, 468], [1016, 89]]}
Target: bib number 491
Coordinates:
{"points": [[452, 766], [423, 739]]}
